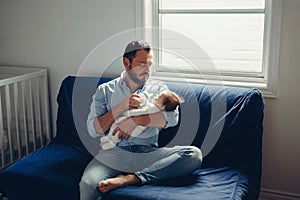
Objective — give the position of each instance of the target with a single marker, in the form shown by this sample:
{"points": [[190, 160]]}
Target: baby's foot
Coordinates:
{"points": [[103, 139], [107, 145]]}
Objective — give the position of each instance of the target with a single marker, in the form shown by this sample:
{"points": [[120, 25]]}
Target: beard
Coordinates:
{"points": [[135, 78]]}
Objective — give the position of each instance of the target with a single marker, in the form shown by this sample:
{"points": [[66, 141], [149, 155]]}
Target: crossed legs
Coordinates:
{"points": [[165, 163]]}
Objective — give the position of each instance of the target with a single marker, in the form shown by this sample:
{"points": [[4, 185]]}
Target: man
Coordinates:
{"points": [[135, 160]]}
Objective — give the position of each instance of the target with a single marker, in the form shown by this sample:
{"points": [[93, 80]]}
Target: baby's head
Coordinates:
{"points": [[167, 100]]}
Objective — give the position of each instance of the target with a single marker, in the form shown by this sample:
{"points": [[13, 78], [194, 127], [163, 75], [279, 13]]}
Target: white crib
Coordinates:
{"points": [[24, 112]]}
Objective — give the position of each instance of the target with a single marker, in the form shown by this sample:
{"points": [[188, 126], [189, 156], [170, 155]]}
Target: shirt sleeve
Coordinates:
{"points": [[97, 108]]}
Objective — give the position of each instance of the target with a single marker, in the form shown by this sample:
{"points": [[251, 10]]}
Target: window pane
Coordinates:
{"points": [[232, 41], [212, 4]]}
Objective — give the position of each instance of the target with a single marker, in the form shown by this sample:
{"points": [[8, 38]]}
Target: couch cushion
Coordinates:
{"points": [[74, 99], [52, 172], [238, 112], [207, 183]]}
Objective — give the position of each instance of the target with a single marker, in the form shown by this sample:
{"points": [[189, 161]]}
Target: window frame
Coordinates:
{"points": [[147, 16]]}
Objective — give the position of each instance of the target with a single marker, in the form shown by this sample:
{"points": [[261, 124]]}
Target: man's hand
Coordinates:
{"points": [[133, 101], [124, 128], [129, 102], [104, 122]]}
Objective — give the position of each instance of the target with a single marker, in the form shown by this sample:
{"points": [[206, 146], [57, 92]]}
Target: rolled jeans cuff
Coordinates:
{"points": [[141, 177]]}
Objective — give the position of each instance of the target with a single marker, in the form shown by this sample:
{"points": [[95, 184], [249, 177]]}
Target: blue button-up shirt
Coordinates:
{"points": [[113, 92]]}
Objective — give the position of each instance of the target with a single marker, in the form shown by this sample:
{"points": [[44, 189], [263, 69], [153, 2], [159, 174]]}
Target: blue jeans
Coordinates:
{"points": [[149, 164]]}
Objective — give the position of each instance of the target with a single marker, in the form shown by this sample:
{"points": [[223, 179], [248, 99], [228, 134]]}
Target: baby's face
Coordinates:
{"points": [[158, 101]]}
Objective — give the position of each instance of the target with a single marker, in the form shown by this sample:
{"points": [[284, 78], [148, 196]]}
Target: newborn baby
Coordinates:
{"points": [[165, 100]]}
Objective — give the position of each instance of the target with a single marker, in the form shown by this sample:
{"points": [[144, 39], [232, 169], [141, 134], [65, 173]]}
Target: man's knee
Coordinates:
{"points": [[194, 155], [197, 154], [89, 190], [85, 184]]}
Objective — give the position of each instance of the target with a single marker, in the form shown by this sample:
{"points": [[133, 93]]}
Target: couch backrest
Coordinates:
{"points": [[225, 122], [74, 99]]}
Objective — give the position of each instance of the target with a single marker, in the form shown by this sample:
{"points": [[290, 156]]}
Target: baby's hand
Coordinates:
{"points": [[134, 101], [128, 103], [142, 98]]}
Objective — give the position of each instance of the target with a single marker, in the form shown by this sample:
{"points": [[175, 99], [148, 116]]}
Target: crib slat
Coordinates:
{"points": [[39, 112], [2, 135], [32, 113], [9, 119], [17, 118], [25, 121], [46, 109]]}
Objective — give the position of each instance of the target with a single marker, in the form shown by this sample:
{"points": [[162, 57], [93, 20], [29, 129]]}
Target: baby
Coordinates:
{"points": [[165, 100]]}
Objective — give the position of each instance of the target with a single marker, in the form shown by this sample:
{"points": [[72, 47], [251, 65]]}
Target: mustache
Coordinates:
{"points": [[145, 73]]}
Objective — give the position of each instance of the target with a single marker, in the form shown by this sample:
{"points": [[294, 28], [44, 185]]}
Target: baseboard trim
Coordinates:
{"points": [[267, 194]]}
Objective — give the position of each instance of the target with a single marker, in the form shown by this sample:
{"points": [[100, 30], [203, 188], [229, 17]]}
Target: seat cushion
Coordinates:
{"points": [[56, 167], [207, 183]]}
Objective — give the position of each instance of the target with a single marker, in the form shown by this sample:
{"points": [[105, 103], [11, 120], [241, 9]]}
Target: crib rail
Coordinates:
{"points": [[24, 112]]}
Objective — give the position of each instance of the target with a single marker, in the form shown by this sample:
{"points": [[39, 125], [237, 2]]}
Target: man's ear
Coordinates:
{"points": [[126, 63]]}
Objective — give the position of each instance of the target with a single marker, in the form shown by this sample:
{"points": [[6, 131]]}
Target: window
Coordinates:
{"points": [[229, 42]]}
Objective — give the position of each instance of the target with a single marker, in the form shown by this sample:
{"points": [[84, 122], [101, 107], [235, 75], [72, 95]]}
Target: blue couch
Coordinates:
{"points": [[225, 122]]}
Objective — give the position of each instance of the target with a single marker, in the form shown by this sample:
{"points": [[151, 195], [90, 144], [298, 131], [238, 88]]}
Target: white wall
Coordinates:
{"points": [[281, 159], [58, 35]]}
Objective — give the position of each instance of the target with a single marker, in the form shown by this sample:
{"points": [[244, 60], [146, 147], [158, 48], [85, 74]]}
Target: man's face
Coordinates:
{"points": [[139, 69]]}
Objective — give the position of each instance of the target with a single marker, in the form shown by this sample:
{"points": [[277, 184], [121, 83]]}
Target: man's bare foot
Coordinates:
{"points": [[119, 181]]}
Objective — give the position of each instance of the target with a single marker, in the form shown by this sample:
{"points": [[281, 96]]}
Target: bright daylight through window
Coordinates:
{"points": [[240, 39]]}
